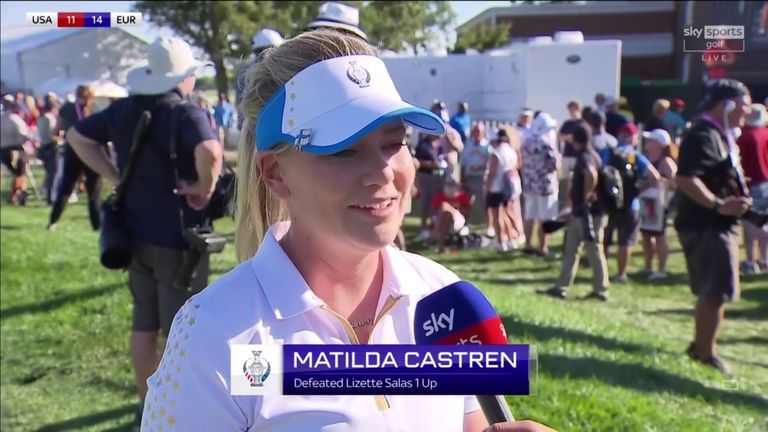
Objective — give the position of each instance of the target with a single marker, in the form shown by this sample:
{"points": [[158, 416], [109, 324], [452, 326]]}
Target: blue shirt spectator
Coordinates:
{"points": [[223, 112], [462, 122]]}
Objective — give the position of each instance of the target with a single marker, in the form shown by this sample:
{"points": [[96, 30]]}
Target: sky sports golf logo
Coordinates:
{"points": [[713, 39], [438, 322]]}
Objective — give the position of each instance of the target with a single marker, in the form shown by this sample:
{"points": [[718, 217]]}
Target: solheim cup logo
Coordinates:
{"points": [[251, 374], [358, 75], [256, 369]]}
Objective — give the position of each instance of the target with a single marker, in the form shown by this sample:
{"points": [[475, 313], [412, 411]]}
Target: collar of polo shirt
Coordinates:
{"points": [[288, 293], [332, 104]]}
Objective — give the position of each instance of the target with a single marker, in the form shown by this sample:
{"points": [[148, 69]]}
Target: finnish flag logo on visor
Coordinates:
{"points": [[332, 104]]}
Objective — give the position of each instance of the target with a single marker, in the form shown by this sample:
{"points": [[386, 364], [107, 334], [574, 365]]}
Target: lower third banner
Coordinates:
{"points": [[408, 369]]}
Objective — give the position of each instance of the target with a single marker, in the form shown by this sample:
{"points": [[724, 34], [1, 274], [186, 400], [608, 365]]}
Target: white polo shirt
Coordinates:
{"points": [[266, 301]]}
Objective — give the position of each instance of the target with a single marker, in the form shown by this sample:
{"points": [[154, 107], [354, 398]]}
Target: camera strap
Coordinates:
{"points": [[133, 156], [175, 113]]}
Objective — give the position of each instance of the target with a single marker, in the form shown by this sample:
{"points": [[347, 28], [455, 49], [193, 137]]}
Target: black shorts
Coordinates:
{"points": [[495, 200], [712, 257], [150, 278], [15, 159], [627, 224]]}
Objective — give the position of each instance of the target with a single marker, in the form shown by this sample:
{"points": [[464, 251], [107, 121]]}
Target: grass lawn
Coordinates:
{"points": [[603, 367]]}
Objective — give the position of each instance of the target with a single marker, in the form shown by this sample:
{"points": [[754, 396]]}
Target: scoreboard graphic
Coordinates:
{"points": [[84, 19]]}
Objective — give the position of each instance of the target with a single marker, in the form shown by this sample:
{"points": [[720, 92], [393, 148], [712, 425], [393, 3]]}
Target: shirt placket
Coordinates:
{"points": [[381, 400]]}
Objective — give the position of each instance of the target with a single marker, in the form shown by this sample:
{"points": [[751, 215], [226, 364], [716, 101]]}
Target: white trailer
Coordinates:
{"points": [[543, 74]]}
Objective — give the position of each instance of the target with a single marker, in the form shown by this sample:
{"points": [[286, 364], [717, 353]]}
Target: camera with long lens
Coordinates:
{"points": [[201, 240]]}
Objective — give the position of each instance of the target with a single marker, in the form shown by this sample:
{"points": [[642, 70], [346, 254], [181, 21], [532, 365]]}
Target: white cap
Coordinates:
{"points": [[332, 104], [659, 135], [338, 16], [266, 38], [757, 118], [169, 62], [543, 123]]}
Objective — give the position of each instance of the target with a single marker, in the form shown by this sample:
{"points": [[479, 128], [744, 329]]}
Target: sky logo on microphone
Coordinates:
{"points": [[436, 323]]}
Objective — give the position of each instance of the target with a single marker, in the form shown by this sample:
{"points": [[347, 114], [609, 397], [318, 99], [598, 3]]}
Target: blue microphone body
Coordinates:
{"points": [[461, 314]]}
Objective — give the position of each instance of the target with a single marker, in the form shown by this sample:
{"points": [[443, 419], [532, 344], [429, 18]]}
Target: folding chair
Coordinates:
{"points": [[32, 182]]}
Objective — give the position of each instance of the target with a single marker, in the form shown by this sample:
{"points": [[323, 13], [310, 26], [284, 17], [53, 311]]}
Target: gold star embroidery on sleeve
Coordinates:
{"points": [[176, 386], [168, 377], [182, 353], [171, 421], [162, 412], [153, 415], [192, 321], [290, 122]]}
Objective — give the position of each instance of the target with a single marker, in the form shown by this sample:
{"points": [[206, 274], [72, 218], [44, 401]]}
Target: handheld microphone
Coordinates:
{"points": [[460, 314]]}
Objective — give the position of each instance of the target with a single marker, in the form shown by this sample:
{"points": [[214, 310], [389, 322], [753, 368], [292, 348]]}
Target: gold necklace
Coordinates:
{"points": [[361, 323]]}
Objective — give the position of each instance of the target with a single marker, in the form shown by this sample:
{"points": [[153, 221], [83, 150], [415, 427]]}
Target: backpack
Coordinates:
{"points": [[617, 183]]}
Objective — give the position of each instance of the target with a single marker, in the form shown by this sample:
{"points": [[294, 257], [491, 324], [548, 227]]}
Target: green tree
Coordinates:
{"points": [[222, 29], [482, 37], [398, 25]]}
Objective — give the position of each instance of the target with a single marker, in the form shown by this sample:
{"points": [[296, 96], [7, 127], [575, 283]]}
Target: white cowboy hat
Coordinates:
{"points": [[338, 16], [266, 38], [169, 62]]}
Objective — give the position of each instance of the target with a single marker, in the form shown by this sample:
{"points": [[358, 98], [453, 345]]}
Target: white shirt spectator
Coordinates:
{"points": [[474, 158], [602, 140], [47, 128], [266, 301], [508, 160], [13, 130]]}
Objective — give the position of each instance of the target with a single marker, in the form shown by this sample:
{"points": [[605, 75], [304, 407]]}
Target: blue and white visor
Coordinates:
{"points": [[332, 104]]}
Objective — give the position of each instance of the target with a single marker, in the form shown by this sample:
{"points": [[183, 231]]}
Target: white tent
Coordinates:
{"points": [[62, 86]]}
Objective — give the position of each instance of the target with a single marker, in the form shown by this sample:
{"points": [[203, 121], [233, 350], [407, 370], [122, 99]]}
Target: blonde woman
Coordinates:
{"points": [[655, 203], [500, 189], [323, 179], [514, 207], [659, 109]]}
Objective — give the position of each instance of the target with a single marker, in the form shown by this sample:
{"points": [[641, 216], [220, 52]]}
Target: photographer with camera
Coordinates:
{"points": [[588, 220], [174, 163], [712, 198]]}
